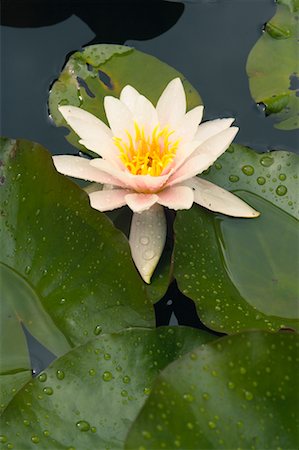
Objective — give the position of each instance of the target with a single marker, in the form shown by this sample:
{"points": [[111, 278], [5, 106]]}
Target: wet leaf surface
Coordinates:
{"points": [[237, 392], [72, 257], [90, 397], [241, 273]]}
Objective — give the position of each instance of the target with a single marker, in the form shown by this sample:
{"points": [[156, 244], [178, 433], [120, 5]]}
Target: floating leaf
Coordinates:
{"points": [[241, 273], [238, 392], [272, 66], [78, 265], [14, 357], [100, 70], [89, 397]]}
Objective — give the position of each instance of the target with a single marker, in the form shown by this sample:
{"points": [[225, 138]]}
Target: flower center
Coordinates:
{"points": [[147, 155]]}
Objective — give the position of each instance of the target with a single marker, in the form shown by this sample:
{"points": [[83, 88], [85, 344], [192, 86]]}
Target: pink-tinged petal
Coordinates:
{"points": [[78, 167], [189, 125], [147, 240], [119, 117], [176, 197], [105, 148], [106, 200], [212, 127], [171, 106], [219, 200], [128, 96], [216, 145], [138, 183], [140, 202]]}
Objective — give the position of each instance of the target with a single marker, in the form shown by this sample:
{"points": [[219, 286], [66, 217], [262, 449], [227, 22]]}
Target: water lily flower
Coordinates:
{"points": [[149, 159]]}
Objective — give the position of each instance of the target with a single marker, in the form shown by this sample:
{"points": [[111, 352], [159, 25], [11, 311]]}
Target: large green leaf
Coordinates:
{"points": [[273, 66], [239, 392], [15, 368], [241, 273], [78, 265], [88, 398], [100, 70]]}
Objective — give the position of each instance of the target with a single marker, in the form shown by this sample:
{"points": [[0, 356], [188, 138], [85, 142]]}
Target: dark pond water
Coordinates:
{"points": [[207, 40]]}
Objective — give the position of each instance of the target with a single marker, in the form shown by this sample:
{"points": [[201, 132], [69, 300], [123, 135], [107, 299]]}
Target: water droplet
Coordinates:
{"points": [[124, 393], [146, 434], [281, 190], [107, 376], [212, 424], [97, 330], [234, 178], [282, 176], [107, 356], [3, 438], [35, 439], [147, 391], [93, 429], [48, 390], [266, 161], [27, 269], [82, 425], [231, 385], [42, 377], [60, 374], [46, 433], [248, 395], [261, 180], [190, 426], [92, 372], [205, 396], [144, 240], [248, 170], [148, 255], [242, 370], [188, 397], [126, 379], [26, 422], [218, 166]]}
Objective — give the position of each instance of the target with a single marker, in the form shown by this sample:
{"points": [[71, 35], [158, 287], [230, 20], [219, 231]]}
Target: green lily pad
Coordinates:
{"points": [[104, 69], [238, 392], [241, 273], [15, 368], [89, 398], [273, 69], [72, 257]]}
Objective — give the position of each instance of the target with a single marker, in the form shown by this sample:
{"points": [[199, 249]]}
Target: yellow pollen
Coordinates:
{"points": [[147, 155]]}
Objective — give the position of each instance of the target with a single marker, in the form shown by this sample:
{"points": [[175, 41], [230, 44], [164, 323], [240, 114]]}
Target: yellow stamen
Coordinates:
{"points": [[147, 155]]}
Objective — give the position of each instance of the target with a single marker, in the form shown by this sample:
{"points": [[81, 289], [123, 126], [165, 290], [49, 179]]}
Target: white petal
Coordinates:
{"points": [[204, 156], [216, 145], [176, 197], [147, 240], [140, 202], [208, 129], [189, 125], [106, 200], [129, 96], [78, 167], [119, 117], [145, 114], [88, 127], [171, 106], [217, 199], [190, 168]]}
